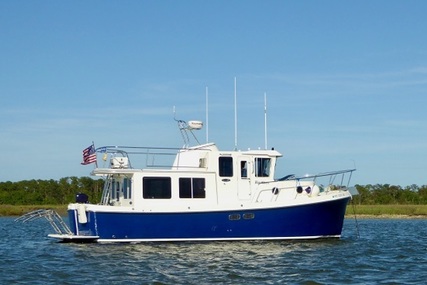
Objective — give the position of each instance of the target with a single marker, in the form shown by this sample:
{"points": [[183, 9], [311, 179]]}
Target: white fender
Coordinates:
{"points": [[315, 190], [81, 214]]}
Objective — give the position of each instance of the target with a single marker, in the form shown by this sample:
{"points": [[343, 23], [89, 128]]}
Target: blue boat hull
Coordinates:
{"points": [[298, 222]]}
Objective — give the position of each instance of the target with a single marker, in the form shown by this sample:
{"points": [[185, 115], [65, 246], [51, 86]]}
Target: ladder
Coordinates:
{"points": [[106, 191], [53, 218]]}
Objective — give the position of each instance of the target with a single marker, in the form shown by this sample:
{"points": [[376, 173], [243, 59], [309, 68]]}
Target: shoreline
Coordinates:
{"points": [[386, 217]]}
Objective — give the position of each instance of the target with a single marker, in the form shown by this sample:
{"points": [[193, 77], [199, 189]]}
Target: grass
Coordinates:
{"points": [[360, 210], [18, 210], [388, 210]]}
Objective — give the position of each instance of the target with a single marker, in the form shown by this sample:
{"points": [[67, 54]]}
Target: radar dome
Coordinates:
{"points": [[195, 125]]}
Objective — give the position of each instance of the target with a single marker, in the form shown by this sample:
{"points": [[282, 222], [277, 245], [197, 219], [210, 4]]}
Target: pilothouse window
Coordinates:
{"points": [[244, 169], [262, 167], [226, 166]]}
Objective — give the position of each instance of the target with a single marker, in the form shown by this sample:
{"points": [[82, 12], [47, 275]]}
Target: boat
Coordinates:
{"points": [[203, 194]]}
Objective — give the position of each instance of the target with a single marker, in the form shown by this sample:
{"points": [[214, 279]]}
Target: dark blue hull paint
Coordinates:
{"points": [[305, 221]]}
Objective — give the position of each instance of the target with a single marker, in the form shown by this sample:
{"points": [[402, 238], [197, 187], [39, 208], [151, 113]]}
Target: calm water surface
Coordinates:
{"points": [[387, 252]]}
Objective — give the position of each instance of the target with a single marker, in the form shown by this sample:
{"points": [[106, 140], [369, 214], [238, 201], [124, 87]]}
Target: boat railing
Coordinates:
{"points": [[155, 157], [51, 216], [334, 180], [159, 157], [340, 178]]}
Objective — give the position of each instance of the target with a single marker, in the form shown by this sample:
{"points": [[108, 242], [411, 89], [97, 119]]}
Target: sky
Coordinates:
{"points": [[345, 82]]}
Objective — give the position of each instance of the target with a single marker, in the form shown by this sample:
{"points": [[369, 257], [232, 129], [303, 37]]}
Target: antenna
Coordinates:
{"points": [[186, 128], [265, 119], [207, 116], [235, 113]]}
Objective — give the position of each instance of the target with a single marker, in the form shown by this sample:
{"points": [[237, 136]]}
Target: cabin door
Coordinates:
{"points": [[121, 191], [244, 180]]}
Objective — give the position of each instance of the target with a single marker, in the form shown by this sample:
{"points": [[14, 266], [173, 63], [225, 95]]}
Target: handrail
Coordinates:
{"points": [[148, 149], [115, 148], [151, 153], [332, 174], [148, 152], [51, 216], [323, 174], [305, 181]]}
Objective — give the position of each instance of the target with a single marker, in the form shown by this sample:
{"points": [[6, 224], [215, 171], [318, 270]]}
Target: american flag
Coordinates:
{"points": [[89, 155]]}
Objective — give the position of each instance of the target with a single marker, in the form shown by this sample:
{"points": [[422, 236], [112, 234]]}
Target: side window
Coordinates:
{"points": [[226, 166], [199, 188], [192, 188], [113, 189], [243, 169], [127, 188], [117, 189], [262, 167], [156, 188], [185, 188]]}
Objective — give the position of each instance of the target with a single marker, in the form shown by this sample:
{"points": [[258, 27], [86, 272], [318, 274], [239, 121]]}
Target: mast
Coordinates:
{"points": [[265, 120], [207, 116], [235, 113]]}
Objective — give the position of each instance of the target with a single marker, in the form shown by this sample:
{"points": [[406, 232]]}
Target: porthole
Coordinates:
{"points": [[248, 216], [234, 217]]}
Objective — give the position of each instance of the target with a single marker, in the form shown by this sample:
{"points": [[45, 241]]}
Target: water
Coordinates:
{"points": [[387, 252]]}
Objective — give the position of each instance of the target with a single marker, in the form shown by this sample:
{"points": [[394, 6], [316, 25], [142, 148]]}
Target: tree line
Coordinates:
{"points": [[50, 192], [386, 194], [64, 191]]}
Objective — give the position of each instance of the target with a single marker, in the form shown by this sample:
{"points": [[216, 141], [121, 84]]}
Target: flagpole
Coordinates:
{"points": [[96, 160]]}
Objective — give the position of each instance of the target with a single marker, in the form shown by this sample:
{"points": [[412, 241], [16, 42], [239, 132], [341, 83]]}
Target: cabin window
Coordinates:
{"points": [[226, 166], [243, 169], [113, 189], [117, 190], [127, 188], [157, 188], [192, 188], [262, 167]]}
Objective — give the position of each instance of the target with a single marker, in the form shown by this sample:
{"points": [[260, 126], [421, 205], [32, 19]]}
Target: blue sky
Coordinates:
{"points": [[345, 81]]}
